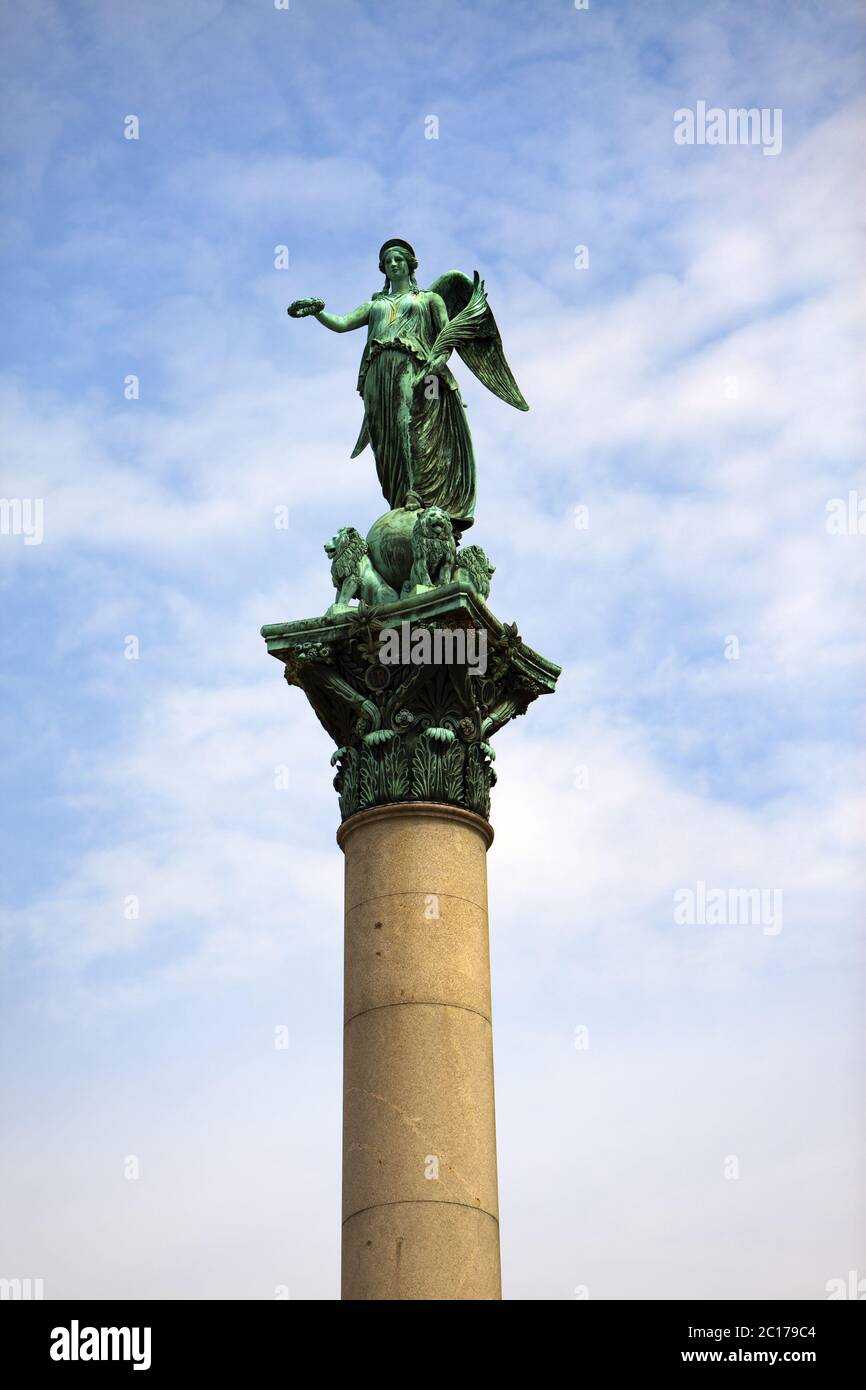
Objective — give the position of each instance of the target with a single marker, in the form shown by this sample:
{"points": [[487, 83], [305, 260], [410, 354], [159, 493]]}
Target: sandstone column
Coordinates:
{"points": [[420, 1208], [414, 771]]}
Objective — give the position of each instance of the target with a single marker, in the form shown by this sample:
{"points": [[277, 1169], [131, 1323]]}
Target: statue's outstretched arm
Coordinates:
{"points": [[338, 323], [344, 323]]}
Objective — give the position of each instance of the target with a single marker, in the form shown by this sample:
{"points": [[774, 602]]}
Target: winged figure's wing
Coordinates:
{"points": [[471, 329]]}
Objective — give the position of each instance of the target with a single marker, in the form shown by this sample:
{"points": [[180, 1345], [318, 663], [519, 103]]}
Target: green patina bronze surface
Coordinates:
{"points": [[411, 732], [414, 417], [414, 732]]}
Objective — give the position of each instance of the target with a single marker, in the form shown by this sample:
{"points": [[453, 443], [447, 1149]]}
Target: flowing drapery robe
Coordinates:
{"points": [[415, 423]]}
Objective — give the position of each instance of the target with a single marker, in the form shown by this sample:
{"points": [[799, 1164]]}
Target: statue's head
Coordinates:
{"points": [[397, 257]]}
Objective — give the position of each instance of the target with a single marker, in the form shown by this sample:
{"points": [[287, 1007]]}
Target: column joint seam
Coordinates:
{"points": [[426, 1003], [420, 1202], [415, 893]]}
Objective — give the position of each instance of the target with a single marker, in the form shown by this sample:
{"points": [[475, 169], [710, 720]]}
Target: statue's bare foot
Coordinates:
{"points": [[412, 502]]}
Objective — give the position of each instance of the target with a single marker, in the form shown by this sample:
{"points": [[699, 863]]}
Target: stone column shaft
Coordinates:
{"points": [[420, 1203]]}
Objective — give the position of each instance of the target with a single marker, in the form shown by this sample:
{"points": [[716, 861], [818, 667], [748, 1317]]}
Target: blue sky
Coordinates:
{"points": [[698, 388]]}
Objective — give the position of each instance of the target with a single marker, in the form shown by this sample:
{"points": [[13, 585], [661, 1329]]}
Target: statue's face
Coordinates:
{"points": [[395, 263]]}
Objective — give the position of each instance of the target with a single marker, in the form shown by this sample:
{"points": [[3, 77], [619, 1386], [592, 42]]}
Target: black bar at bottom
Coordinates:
{"points": [[216, 1339]]}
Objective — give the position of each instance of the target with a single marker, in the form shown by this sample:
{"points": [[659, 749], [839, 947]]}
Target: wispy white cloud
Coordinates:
{"points": [[697, 389]]}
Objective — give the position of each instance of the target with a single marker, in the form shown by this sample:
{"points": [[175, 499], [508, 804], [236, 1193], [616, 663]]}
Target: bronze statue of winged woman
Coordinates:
{"points": [[414, 417]]}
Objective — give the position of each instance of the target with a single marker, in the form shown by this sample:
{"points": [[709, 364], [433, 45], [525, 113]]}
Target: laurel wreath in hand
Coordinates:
{"points": [[302, 307]]}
